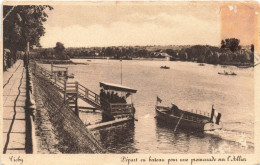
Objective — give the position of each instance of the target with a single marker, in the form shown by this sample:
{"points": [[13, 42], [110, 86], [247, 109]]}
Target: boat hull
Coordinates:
{"points": [[172, 121], [228, 74], [163, 67]]}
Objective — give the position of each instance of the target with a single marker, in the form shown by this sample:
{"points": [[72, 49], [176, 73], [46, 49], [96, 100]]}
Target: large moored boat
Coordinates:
{"points": [[188, 119]]}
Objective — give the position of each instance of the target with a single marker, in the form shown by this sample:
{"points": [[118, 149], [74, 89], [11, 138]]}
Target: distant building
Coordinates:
{"points": [[163, 55]]}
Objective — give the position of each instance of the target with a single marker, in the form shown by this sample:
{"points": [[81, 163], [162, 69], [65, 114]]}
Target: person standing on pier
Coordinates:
{"points": [[24, 59]]}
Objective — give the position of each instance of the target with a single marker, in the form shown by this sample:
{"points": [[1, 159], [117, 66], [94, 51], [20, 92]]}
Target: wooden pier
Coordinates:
{"points": [[73, 91]]}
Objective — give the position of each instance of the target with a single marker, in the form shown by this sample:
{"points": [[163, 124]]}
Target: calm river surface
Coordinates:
{"points": [[189, 86]]}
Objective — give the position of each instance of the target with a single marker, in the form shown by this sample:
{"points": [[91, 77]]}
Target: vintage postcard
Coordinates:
{"points": [[130, 82]]}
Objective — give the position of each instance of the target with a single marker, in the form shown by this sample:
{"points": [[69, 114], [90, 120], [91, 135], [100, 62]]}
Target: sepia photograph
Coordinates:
{"points": [[129, 78]]}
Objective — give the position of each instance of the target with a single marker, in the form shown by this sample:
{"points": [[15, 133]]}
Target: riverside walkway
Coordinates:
{"points": [[14, 100]]}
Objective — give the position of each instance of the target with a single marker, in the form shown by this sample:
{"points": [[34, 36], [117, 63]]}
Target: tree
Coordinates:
{"points": [[223, 44], [201, 58], [214, 59], [170, 52], [252, 48], [231, 43], [109, 51], [22, 24], [224, 58], [183, 55], [59, 50]]}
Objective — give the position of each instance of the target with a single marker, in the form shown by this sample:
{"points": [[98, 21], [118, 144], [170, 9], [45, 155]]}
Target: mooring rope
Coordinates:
{"points": [[178, 122]]}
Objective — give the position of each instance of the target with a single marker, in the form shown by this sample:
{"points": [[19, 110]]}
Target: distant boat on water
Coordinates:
{"points": [[226, 73], [188, 119], [165, 67]]}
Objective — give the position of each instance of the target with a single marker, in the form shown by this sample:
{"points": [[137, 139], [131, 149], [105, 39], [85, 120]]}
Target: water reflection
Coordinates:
{"points": [[182, 140], [118, 139]]}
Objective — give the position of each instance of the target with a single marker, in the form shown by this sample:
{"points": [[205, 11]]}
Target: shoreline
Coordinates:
{"points": [[51, 61]]}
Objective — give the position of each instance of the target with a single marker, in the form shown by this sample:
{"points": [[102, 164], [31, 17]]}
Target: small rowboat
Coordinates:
{"points": [[226, 73], [165, 67], [187, 119]]}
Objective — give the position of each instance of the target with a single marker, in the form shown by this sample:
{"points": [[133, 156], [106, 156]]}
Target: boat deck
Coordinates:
{"points": [[184, 118]]}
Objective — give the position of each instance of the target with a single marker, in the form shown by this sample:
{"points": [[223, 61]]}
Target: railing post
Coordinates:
{"points": [[65, 90], [96, 99], [51, 70], [86, 92], [66, 74], [76, 99], [55, 78], [34, 67]]}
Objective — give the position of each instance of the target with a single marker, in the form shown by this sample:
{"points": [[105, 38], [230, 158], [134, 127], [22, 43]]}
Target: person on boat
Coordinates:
{"points": [[116, 98], [24, 60], [175, 110], [112, 97], [123, 99], [133, 110], [102, 94], [107, 96]]}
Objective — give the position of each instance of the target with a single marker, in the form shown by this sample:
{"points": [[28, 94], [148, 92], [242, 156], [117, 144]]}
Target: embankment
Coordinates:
{"points": [[58, 129]]}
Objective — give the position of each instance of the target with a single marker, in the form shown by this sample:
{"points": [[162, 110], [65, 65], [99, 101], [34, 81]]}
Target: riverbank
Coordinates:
{"points": [[51, 61], [58, 129]]}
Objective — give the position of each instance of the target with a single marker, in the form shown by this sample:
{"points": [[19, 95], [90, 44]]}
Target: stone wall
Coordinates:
{"points": [[58, 129]]}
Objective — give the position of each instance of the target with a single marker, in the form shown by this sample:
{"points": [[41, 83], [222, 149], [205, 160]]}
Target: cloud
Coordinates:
{"points": [[161, 29]]}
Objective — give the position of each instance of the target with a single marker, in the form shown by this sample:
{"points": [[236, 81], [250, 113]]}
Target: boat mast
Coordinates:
{"points": [[121, 71]]}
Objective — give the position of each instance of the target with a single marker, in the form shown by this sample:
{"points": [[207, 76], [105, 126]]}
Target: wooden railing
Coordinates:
{"points": [[71, 87], [92, 96], [199, 112], [83, 93]]}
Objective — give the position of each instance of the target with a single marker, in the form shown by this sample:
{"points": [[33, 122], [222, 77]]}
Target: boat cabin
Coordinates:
{"points": [[116, 101]]}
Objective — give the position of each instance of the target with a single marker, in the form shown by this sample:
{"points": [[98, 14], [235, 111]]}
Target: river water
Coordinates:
{"points": [[185, 84]]}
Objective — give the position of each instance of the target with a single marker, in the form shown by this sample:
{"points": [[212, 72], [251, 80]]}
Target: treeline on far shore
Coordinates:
{"points": [[230, 53], [214, 55]]}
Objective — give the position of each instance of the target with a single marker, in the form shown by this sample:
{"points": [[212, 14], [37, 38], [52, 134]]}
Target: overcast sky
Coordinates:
{"points": [[140, 23]]}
